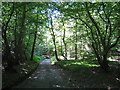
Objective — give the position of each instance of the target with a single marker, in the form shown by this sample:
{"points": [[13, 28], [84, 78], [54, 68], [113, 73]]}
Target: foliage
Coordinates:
{"points": [[78, 64], [38, 58], [53, 59]]}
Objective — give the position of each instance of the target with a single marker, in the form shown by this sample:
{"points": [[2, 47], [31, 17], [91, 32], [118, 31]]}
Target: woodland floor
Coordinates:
{"points": [[88, 73], [18, 74], [48, 76]]}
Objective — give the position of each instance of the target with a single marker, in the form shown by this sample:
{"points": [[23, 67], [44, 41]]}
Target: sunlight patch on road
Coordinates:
{"points": [[56, 85]]}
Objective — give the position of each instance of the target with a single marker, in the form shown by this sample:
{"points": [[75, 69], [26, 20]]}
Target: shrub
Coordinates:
{"points": [[38, 58], [53, 59]]}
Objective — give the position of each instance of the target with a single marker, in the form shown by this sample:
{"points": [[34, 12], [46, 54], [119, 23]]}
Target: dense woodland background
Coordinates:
{"points": [[66, 30]]}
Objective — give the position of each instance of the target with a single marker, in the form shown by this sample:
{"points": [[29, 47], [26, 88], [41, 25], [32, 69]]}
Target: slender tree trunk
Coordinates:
{"points": [[76, 52], [76, 39], [62, 50], [54, 40], [65, 44], [56, 54], [33, 47], [35, 37]]}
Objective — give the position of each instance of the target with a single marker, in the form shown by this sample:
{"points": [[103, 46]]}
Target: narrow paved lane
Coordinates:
{"points": [[48, 76]]}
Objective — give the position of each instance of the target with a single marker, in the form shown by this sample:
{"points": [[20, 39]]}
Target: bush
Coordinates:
{"points": [[38, 58], [53, 59]]}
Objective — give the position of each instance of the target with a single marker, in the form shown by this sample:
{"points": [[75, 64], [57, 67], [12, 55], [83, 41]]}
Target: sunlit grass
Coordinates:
{"points": [[111, 59], [81, 63], [76, 65]]}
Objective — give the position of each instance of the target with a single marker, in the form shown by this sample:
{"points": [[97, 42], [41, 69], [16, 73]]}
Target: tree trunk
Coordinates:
{"points": [[15, 39], [21, 36], [9, 59], [33, 47], [35, 37], [102, 60], [76, 46], [76, 52], [7, 54], [56, 55], [62, 51], [103, 63], [54, 40], [65, 44], [76, 40]]}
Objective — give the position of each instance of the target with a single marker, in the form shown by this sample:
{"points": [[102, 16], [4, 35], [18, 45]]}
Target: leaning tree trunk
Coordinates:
{"points": [[54, 40], [35, 37], [56, 54], [33, 47], [7, 54], [65, 44]]}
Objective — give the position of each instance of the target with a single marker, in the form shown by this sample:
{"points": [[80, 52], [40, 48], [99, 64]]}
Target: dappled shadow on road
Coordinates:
{"points": [[48, 76]]}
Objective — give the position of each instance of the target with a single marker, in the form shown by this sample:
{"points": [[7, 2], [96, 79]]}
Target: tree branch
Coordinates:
{"points": [[100, 14], [95, 24], [114, 44], [109, 23], [82, 21], [93, 38]]}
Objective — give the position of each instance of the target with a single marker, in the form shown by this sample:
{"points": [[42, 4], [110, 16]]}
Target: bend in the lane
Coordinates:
{"points": [[45, 61]]}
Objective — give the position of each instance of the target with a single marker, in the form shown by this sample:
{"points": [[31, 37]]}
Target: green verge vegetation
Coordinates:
{"points": [[20, 73]]}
